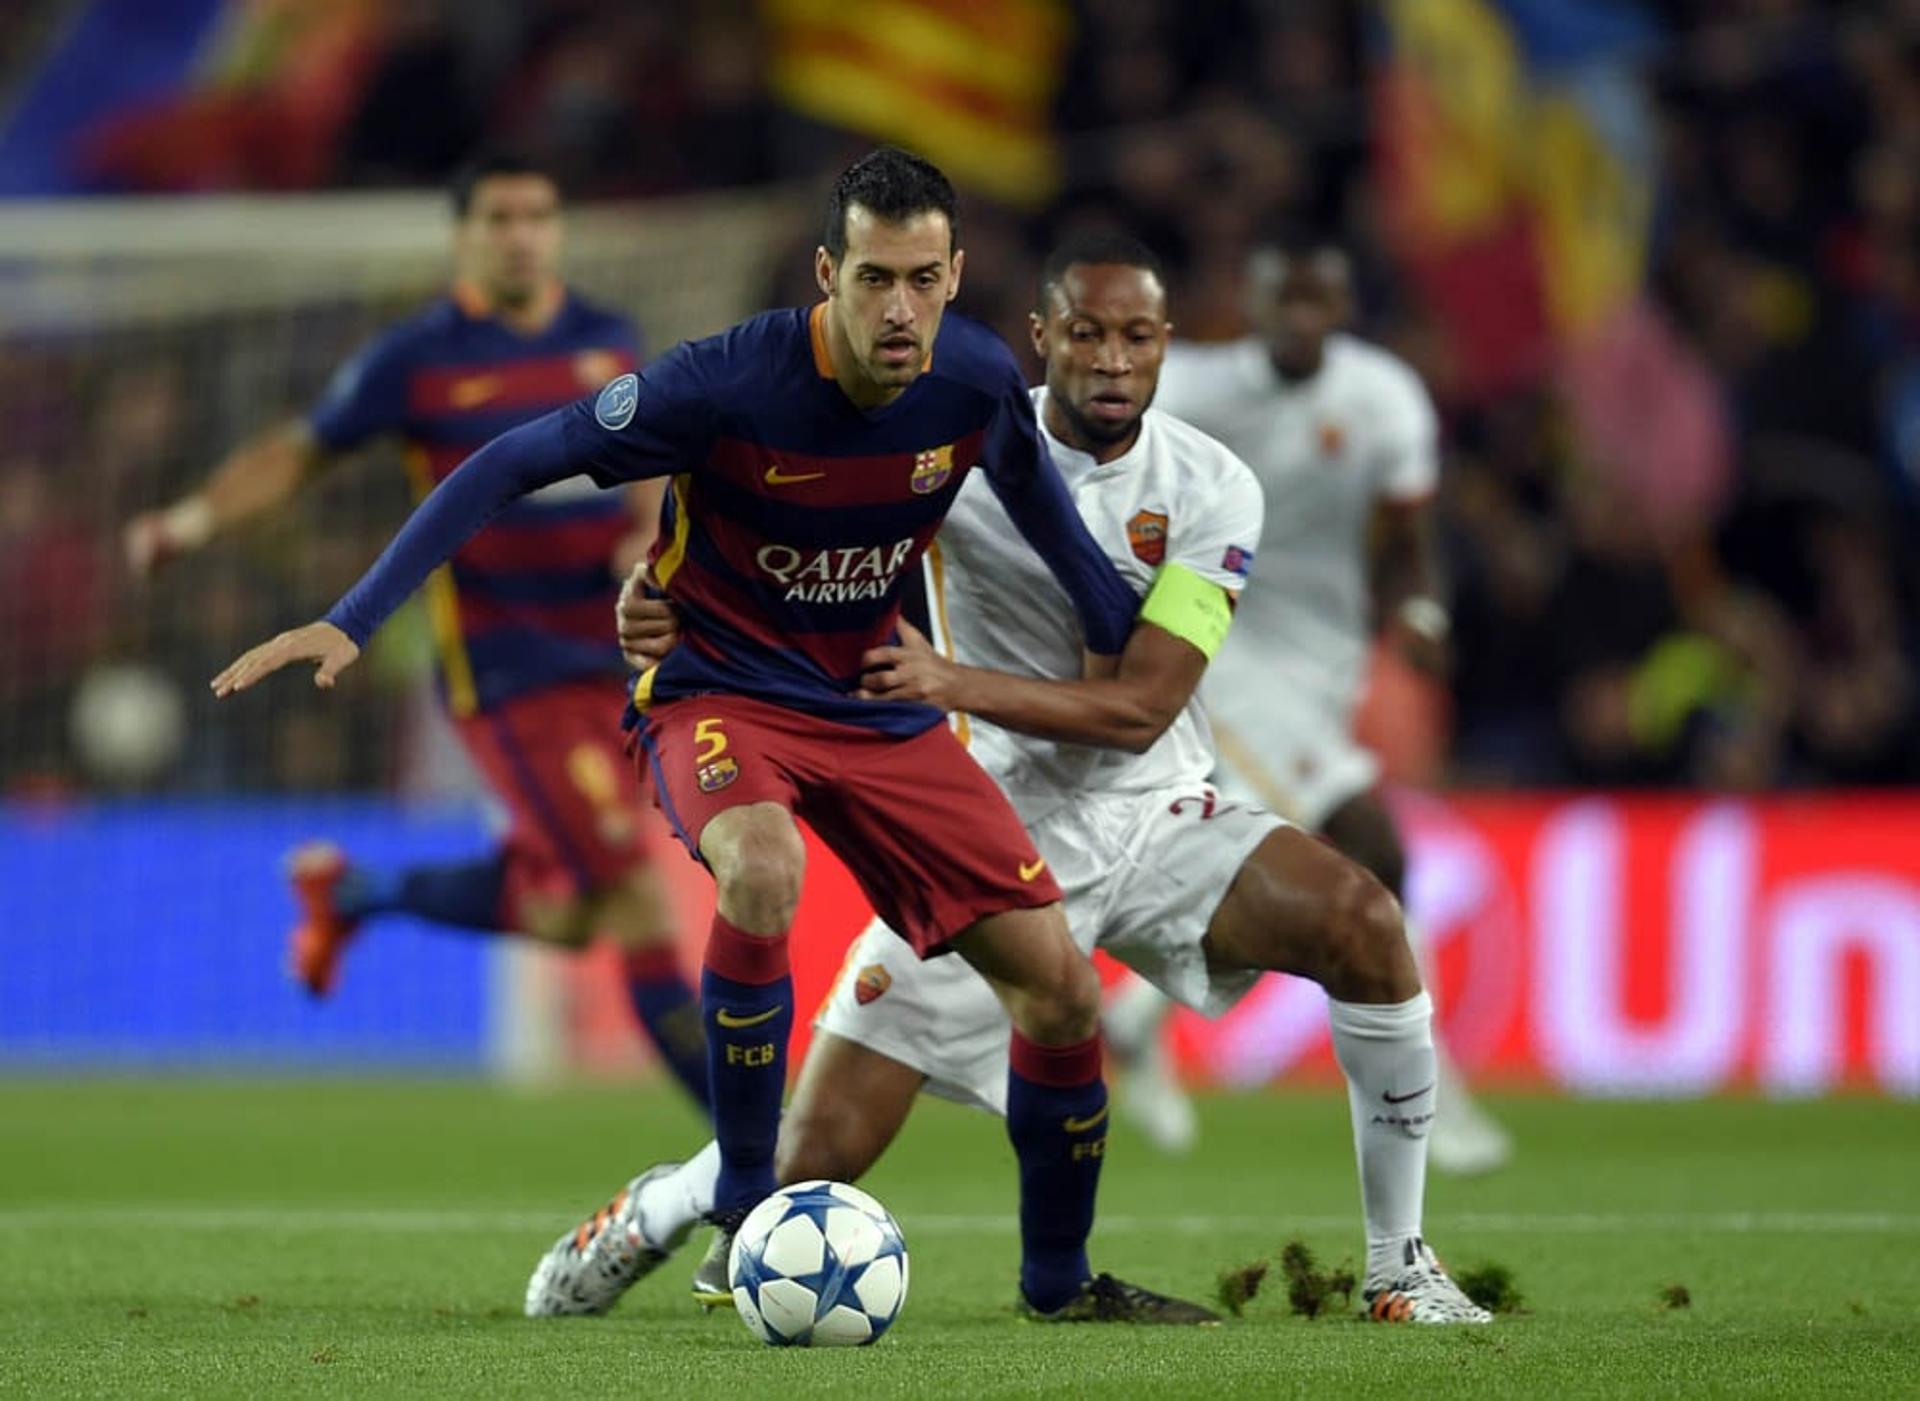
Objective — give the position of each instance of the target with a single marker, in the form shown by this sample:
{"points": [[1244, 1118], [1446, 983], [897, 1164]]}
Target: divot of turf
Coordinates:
{"points": [[1309, 1288], [1237, 1287], [1675, 1296], [1491, 1287]]}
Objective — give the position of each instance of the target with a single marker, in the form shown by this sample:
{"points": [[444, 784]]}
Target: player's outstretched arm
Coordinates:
{"points": [[1155, 677], [523, 460], [255, 479]]}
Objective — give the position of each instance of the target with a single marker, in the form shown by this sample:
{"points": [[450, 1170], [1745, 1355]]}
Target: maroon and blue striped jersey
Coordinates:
{"points": [[524, 604], [794, 517]]}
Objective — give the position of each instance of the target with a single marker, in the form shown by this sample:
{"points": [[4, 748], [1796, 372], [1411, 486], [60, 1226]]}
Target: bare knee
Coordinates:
{"points": [[1366, 956], [1065, 1009], [759, 862]]}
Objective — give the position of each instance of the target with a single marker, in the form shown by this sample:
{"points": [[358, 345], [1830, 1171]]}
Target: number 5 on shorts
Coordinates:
{"points": [[710, 770]]}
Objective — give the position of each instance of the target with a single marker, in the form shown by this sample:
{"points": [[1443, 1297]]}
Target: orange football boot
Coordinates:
{"points": [[322, 936]]}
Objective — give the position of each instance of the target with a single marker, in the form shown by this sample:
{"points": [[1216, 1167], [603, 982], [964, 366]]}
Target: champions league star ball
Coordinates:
{"points": [[818, 1264]]}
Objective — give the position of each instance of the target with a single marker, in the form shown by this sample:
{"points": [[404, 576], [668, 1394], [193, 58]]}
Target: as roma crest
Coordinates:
{"points": [[1147, 533], [870, 982], [931, 469], [717, 775]]}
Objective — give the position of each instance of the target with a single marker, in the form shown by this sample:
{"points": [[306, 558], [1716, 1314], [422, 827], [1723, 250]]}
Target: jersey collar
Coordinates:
{"points": [[475, 303]]}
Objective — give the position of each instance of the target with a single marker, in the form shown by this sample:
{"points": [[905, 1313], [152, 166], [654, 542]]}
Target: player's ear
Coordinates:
{"points": [[953, 283], [1037, 332], [823, 270]]}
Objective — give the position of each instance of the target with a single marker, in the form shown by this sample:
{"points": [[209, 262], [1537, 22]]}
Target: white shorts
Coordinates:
{"points": [[1302, 754], [1142, 874]]}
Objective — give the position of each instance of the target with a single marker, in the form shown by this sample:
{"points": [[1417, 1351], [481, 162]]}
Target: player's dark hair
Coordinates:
{"points": [[893, 185], [1297, 246], [1093, 248], [487, 166]]}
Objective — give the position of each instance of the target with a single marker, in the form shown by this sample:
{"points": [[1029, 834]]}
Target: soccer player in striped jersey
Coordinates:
{"points": [[814, 453], [527, 665], [1197, 893]]}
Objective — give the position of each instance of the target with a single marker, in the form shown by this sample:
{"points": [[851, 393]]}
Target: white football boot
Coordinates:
{"points": [[1465, 1140], [1151, 1096], [1416, 1289], [1153, 1100], [590, 1267]]}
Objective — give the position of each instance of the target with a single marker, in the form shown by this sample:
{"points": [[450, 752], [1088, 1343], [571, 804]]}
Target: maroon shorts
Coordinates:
{"points": [[555, 758], [931, 839]]}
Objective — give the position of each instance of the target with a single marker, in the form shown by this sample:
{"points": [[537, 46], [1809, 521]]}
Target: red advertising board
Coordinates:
{"points": [[1660, 945]]}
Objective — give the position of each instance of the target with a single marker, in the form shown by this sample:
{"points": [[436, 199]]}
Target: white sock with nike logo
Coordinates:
{"points": [[1387, 1054]]}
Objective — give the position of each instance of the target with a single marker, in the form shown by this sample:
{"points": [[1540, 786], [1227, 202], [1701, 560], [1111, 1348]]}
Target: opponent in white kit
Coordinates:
{"points": [[1345, 444], [1197, 893]]}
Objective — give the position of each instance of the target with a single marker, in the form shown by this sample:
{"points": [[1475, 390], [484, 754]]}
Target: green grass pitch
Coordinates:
{"points": [[205, 1239]]}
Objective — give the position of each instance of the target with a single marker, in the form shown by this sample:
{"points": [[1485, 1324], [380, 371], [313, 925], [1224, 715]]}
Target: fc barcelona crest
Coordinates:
{"points": [[931, 469], [1147, 533], [870, 983], [717, 775]]}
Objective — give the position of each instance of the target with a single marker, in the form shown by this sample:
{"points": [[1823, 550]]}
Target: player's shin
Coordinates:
{"points": [[460, 895], [1057, 1119], [668, 1010], [746, 996], [1386, 1052]]}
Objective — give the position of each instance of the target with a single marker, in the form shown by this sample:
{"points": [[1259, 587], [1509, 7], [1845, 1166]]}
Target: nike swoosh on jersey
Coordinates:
{"points": [[735, 1021], [1032, 871], [1402, 1099], [775, 477], [1072, 1125], [470, 393]]}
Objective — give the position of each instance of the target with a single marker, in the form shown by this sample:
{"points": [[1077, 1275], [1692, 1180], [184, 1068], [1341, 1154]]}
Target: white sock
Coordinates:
{"points": [[1387, 1054], [1132, 1020], [673, 1203]]}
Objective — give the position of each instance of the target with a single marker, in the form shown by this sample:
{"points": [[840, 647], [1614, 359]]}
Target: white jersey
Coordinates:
{"points": [[1176, 496], [1325, 451]]}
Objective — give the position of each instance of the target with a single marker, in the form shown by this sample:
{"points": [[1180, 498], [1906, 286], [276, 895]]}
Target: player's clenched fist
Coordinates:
{"points": [[316, 642], [153, 538]]}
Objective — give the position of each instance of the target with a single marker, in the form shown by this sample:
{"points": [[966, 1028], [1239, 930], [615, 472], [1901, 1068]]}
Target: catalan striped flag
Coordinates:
{"points": [[1515, 154], [969, 84]]}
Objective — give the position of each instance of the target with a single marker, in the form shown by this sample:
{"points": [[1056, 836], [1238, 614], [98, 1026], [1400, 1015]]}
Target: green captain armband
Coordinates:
{"points": [[1193, 609]]}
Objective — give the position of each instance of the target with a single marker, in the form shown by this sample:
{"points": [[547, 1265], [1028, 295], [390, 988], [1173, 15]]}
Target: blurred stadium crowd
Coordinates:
{"points": [[1680, 534]]}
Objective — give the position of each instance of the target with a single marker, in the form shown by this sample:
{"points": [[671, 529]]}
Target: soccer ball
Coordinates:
{"points": [[818, 1264]]}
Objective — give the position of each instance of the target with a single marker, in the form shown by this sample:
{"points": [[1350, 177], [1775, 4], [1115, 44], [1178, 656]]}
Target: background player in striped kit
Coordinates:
{"points": [[527, 669]]}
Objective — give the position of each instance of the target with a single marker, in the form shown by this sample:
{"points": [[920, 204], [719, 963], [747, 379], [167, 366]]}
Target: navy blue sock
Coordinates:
{"points": [[669, 1011], [746, 1004], [463, 894], [1057, 1119]]}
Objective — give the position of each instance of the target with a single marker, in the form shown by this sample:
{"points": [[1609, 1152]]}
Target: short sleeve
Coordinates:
{"points": [[1217, 540], [652, 423], [366, 398], [1407, 466]]}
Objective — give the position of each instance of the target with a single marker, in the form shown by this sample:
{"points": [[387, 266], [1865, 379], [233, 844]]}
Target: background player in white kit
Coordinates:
{"points": [[1345, 444], [1197, 893]]}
